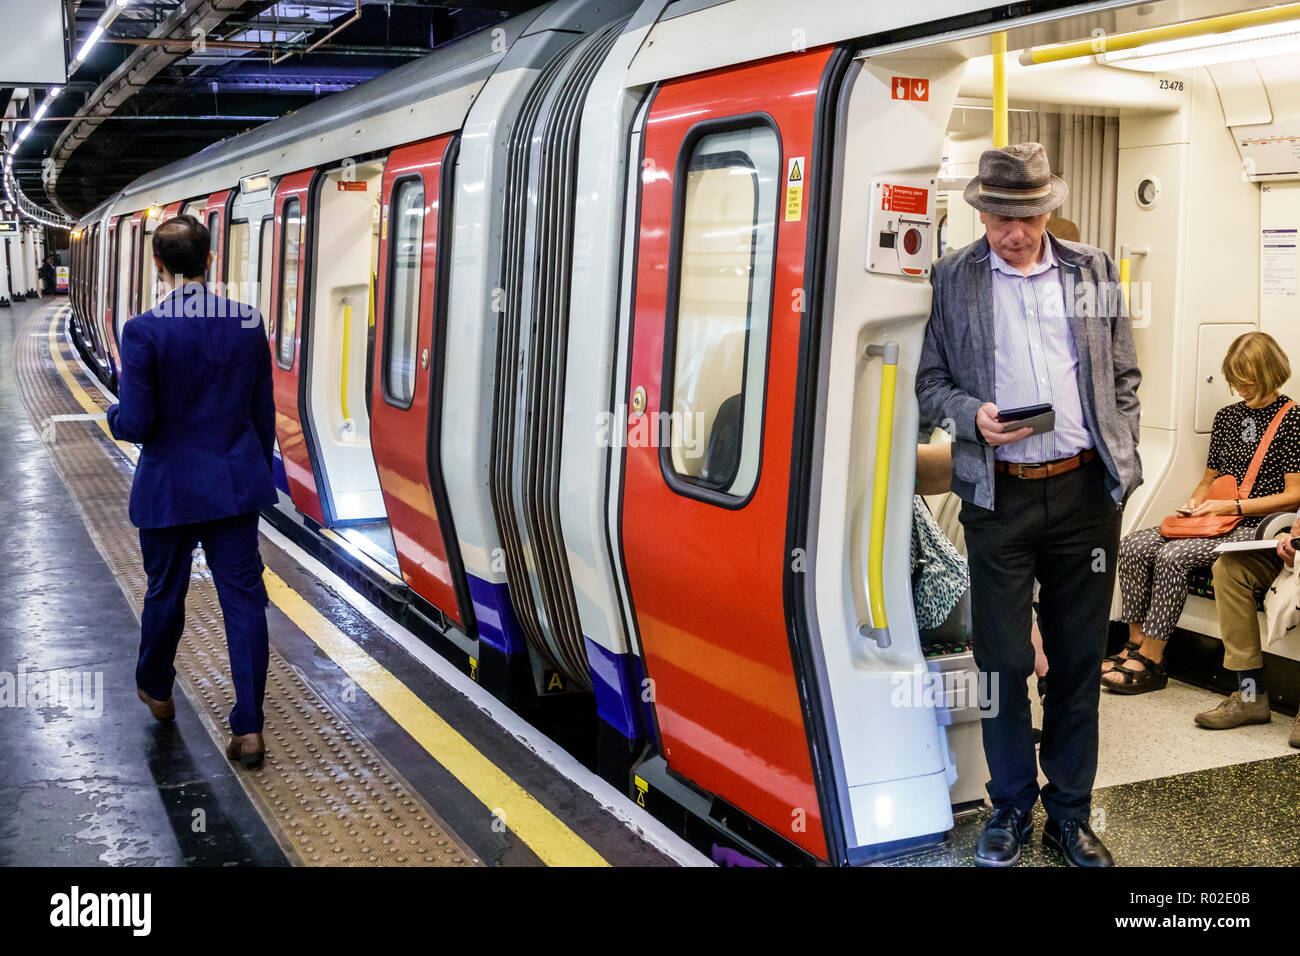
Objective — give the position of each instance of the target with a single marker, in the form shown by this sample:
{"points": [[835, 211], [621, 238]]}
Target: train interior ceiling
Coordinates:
{"points": [[1177, 165]]}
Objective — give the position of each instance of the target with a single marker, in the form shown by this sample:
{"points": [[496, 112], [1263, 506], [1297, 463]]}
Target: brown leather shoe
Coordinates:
{"points": [[248, 749], [1236, 711], [161, 709]]}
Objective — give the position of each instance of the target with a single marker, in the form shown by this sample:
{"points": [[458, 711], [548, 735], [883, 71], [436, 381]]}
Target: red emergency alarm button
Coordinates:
{"points": [[912, 241]]}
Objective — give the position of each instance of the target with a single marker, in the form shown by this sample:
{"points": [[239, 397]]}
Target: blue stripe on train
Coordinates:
{"points": [[277, 472], [497, 624], [619, 684]]}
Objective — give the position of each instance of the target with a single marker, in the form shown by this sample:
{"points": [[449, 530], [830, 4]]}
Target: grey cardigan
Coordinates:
{"points": [[956, 375]]}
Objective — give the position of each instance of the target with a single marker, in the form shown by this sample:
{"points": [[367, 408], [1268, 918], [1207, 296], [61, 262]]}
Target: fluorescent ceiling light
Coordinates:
{"points": [[1270, 39], [91, 40]]}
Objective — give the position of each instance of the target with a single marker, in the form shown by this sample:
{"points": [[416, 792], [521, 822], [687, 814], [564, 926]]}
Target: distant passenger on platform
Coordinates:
{"points": [[1153, 567], [1021, 318], [49, 280], [196, 396]]}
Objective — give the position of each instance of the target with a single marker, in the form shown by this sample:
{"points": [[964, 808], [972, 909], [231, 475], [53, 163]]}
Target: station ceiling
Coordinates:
{"points": [[169, 77]]}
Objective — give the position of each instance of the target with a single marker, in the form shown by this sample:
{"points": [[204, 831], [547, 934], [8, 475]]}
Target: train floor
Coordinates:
{"points": [[378, 752]]}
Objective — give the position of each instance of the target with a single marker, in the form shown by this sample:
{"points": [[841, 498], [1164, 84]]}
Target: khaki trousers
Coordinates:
{"points": [[1236, 576]]}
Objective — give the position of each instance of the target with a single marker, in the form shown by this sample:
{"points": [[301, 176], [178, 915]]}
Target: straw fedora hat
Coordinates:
{"points": [[1016, 181]]}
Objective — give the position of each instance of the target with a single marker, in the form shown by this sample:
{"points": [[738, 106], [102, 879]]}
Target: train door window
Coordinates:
{"points": [[290, 247], [214, 270], [237, 262], [123, 311], [265, 247], [724, 250], [403, 318]]}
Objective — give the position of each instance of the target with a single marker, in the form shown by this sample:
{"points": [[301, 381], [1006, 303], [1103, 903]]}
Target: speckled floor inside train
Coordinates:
{"points": [[1172, 794]]}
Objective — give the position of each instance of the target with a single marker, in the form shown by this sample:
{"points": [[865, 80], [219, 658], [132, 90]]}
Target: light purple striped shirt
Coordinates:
{"points": [[1034, 357]]}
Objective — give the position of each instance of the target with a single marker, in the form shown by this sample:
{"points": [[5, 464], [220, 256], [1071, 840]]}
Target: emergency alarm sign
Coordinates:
{"points": [[900, 225]]}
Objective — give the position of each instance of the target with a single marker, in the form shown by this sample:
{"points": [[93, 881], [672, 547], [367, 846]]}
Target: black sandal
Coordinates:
{"points": [[1153, 676], [1118, 660]]}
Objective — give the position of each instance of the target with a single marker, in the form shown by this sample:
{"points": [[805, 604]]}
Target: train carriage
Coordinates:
{"points": [[593, 341]]}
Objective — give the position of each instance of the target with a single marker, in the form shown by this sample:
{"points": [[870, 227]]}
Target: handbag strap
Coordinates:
{"points": [[1248, 482]]}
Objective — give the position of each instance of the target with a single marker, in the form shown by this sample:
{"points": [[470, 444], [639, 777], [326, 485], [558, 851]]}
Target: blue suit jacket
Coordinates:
{"points": [[196, 396]]}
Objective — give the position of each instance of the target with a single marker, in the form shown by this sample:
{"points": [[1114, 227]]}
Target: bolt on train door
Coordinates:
{"points": [[729, 181], [406, 383]]}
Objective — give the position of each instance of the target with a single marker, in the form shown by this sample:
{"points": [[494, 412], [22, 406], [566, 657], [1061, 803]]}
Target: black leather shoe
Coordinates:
{"points": [[1077, 843], [999, 844]]}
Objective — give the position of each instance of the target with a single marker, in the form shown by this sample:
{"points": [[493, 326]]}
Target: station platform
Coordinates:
{"points": [[378, 753]]}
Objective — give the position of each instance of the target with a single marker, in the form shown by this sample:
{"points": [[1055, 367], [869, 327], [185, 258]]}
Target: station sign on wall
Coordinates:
{"points": [[31, 43]]}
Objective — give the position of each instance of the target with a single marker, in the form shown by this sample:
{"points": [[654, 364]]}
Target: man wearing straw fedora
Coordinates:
{"points": [[1020, 318]]}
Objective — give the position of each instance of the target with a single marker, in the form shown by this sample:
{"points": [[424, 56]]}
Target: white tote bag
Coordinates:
{"points": [[1282, 604]]}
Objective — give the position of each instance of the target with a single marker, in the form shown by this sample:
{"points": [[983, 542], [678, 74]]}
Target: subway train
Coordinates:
{"points": [[594, 337]]}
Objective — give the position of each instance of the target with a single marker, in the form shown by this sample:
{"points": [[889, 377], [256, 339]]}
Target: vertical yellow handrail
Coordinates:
{"points": [[999, 90], [878, 625], [343, 371]]}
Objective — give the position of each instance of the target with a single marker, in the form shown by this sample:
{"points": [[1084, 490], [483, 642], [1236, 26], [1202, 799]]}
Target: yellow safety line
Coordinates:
{"points": [[544, 833], [81, 395], [548, 836]]}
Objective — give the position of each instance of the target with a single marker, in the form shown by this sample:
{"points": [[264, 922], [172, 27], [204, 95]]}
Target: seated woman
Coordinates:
{"points": [[1152, 568]]}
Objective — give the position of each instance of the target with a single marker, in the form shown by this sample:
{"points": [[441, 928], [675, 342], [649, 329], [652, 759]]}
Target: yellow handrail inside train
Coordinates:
{"points": [[343, 371], [999, 90], [880, 485], [1173, 31]]}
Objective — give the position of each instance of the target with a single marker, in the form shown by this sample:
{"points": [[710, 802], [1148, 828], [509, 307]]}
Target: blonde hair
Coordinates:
{"points": [[1257, 360]]}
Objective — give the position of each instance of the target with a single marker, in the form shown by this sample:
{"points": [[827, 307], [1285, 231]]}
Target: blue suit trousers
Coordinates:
{"points": [[230, 546]]}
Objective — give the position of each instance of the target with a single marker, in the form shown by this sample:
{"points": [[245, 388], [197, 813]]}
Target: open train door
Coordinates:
{"points": [[729, 174], [406, 379], [289, 280]]}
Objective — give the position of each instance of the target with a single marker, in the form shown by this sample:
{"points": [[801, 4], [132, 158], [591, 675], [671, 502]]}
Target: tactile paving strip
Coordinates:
{"points": [[327, 794]]}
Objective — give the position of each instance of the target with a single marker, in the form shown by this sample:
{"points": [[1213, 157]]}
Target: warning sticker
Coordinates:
{"points": [[910, 88], [909, 199], [352, 186], [795, 175]]}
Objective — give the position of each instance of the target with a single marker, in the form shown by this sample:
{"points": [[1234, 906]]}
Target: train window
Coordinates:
{"points": [[265, 246], [290, 245], [148, 288], [403, 313], [237, 262], [123, 309], [214, 238], [725, 249]]}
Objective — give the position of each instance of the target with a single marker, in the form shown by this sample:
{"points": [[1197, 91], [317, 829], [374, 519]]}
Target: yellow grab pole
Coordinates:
{"points": [[343, 371], [879, 623], [1173, 31], [999, 90]]}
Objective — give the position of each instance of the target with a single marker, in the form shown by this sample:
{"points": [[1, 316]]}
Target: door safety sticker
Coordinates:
{"points": [[795, 175]]}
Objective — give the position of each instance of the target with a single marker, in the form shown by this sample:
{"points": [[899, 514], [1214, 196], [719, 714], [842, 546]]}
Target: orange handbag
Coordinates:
{"points": [[1224, 488]]}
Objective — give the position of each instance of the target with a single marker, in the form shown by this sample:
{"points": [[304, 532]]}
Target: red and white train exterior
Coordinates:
{"points": [[511, 288]]}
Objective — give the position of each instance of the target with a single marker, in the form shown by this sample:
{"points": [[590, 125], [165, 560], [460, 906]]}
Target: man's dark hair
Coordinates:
{"points": [[182, 243]]}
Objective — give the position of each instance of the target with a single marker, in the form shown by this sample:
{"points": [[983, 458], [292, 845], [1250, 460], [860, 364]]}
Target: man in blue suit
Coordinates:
{"points": [[196, 396]]}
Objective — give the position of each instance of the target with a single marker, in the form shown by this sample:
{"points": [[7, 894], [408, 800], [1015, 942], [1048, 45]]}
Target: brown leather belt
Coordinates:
{"points": [[1047, 469]]}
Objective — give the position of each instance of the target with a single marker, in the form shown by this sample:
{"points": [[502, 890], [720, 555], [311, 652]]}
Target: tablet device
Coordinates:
{"points": [[1044, 422], [1025, 411]]}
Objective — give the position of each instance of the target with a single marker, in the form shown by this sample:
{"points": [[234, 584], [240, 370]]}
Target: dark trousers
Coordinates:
{"points": [[1064, 532], [230, 546]]}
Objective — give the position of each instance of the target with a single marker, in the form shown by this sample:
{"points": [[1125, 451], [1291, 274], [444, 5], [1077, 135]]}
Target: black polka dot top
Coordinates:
{"points": [[1235, 438]]}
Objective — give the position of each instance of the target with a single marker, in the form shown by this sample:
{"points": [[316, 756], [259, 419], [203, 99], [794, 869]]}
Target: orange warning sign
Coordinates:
{"points": [[908, 199], [910, 88]]}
